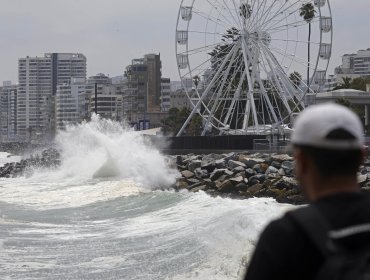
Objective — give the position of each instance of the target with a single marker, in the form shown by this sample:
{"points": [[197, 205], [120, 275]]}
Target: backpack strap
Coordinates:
{"points": [[312, 222]]}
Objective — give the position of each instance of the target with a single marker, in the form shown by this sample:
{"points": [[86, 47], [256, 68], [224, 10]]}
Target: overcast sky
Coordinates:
{"points": [[112, 32]]}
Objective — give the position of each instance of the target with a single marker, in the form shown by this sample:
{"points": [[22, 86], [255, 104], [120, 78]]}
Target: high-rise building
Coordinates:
{"points": [[8, 112], [142, 89], [154, 66], [108, 103], [165, 94], [70, 103], [354, 65], [38, 81]]}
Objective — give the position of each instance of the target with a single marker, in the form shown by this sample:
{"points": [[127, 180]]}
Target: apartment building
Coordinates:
{"points": [[108, 103], [39, 78], [165, 94], [70, 103], [354, 65], [8, 112]]}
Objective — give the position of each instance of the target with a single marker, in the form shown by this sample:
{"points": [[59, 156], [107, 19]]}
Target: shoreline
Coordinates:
{"points": [[243, 175]]}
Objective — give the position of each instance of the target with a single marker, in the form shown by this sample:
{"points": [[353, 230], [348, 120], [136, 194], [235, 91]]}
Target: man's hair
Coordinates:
{"points": [[334, 162]]}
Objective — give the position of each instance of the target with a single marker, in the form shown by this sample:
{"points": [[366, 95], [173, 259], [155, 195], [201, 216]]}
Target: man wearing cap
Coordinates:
{"points": [[328, 147]]}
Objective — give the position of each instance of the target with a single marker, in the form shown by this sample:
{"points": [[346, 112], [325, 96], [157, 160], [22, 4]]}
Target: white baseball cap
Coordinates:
{"points": [[323, 126]]}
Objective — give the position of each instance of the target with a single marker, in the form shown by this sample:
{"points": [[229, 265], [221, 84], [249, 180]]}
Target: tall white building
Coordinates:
{"points": [[354, 65], [165, 94], [108, 103], [70, 103], [38, 81], [8, 112]]}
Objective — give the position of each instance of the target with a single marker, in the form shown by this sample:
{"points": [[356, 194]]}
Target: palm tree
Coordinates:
{"points": [[295, 78], [196, 80], [307, 11]]}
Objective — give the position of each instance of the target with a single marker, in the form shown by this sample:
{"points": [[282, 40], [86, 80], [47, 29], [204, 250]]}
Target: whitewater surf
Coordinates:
{"points": [[103, 215]]}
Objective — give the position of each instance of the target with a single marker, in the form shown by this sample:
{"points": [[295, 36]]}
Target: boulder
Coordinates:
{"points": [[271, 169], [288, 167], [226, 186], [241, 187], [217, 173], [192, 181], [250, 162], [287, 183], [281, 157], [201, 173], [194, 165], [254, 189], [187, 174], [233, 164], [220, 164], [249, 172], [276, 164], [236, 180], [238, 169]]}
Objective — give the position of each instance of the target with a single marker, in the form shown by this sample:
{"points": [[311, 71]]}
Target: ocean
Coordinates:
{"points": [[108, 213]]}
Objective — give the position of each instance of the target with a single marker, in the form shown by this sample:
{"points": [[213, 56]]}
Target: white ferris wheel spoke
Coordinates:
{"points": [[267, 22], [213, 19], [244, 62], [263, 19], [256, 17], [205, 93]]}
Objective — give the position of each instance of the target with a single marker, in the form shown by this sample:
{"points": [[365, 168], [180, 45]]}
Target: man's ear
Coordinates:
{"points": [[300, 162]]}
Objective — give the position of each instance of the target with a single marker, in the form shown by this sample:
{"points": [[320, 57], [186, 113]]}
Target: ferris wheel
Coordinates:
{"points": [[247, 65]]}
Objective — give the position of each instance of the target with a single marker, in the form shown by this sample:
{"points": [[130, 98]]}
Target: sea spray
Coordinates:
{"points": [[105, 148]]}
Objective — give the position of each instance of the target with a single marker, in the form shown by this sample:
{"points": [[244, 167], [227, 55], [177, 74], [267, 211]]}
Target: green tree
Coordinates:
{"points": [[346, 83], [176, 118], [307, 11], [196, 80], [360, 83]]}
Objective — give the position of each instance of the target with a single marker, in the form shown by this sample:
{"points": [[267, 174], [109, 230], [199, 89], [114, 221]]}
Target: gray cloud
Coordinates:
{"points": [[112, 32]]}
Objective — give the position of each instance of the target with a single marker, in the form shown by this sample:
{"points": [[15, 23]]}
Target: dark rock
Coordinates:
{"points": [[226, 186], [288, 167], [181, 185], [249, 173], [236, 180], [192, 181], [201, 173], [271, 169], [228, 172], [238, 169], [254, 189], [241, 187], [257, 179], [209, 183], [287, 183], [194, 165], [179, 160], [220, 164], [276, 164], [217, 173], [200, 188]]}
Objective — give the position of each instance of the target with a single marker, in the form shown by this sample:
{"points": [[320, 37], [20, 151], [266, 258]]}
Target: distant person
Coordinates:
{"points": [[320, 240]]}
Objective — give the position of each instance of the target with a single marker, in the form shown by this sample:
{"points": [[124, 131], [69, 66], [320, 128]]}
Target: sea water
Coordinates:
{"points": [[104, 215]]}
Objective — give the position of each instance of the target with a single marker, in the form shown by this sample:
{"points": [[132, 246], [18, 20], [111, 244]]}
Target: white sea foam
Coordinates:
{"points": [[6, 158], [104, 148]]}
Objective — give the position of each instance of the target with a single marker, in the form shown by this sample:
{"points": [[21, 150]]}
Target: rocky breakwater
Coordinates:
{"points": [[246, 175], [49, 158]]}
